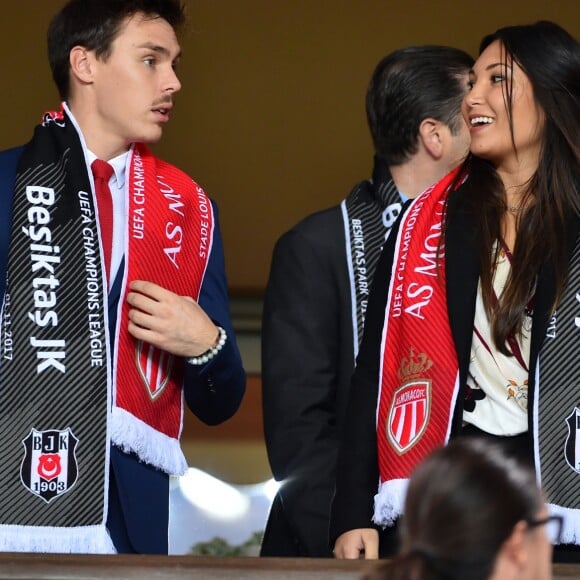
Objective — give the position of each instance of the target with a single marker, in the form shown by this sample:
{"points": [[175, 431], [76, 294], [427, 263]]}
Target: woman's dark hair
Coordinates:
{"points": [[462, 504], [95, 24], [550, 58]]}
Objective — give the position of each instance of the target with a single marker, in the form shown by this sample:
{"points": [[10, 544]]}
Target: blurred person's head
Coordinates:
{"points": [[473, 512]]}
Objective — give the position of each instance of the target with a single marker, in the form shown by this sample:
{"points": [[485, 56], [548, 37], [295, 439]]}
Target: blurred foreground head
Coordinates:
{"points": [[472, 512]]}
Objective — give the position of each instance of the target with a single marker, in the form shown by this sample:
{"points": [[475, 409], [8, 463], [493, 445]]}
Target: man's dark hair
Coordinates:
{"points": [[95, 24], [408, 86]]}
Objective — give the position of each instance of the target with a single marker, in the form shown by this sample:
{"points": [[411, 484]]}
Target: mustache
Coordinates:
{"points": [[165, 99]]}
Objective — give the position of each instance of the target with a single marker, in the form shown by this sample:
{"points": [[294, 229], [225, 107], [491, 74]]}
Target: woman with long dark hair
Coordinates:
{"points": [[474, 325]]}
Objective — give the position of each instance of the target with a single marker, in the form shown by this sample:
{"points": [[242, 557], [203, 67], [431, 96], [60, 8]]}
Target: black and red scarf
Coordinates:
{"points": [[419, 369], [419, 379], [368, 213], [66, 395]]}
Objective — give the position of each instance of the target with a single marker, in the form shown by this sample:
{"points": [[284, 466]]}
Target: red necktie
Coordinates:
{"points": [[102, 172]]}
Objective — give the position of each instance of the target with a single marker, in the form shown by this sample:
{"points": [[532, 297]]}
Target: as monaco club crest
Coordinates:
{"points": [[154, 367], [49, 468], [411, 404], [572, 445]]}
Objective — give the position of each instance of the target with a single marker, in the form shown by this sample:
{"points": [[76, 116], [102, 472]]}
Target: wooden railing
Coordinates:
{"points": [[63, 567]]}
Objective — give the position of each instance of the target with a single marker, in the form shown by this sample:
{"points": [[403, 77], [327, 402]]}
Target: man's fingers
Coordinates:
{"points": [[149, 289], [141, 302]]}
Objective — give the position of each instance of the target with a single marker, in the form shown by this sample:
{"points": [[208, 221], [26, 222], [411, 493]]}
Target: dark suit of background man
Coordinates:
{"points": [[320, 278], [108, 326]]}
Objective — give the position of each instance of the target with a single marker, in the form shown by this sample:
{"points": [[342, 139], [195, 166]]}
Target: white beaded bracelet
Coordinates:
{"points": [[211, 351]]}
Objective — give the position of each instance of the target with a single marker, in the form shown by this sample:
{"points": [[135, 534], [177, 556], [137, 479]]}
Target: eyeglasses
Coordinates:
{"points": [[553, 525]]}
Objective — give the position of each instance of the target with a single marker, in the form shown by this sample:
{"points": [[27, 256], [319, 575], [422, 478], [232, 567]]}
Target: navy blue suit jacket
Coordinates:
{"points": [[138, 518]]}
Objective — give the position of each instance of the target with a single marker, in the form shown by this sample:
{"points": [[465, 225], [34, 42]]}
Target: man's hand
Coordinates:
{"points": [[168, 321], [359, 543]]}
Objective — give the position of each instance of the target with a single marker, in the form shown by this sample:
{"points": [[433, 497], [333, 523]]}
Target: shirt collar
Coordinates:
{"points": [[119, 165]]}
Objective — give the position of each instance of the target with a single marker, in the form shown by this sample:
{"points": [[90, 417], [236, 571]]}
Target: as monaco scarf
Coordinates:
{"points": [[419, 369], [369, 213], [65, 395], [169, 242]]}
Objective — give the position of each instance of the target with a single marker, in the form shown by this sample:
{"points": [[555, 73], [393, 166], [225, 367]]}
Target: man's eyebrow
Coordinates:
{"points": [[159, 49]]}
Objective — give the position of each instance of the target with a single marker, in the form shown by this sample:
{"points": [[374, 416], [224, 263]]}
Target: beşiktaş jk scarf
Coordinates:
{"points": [[419, 370], [61, 402], [369, 213], [556, 411]]}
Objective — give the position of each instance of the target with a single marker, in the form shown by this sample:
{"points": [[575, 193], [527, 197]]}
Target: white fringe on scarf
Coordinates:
{"points": [[390, 501], [53, 540], [571, 527], [132, 435]]}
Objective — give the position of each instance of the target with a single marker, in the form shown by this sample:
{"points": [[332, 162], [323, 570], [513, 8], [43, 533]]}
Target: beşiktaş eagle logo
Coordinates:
{"points": [[49, 468], [411, 404], [572, 445], [56, 117], [154, 366]]}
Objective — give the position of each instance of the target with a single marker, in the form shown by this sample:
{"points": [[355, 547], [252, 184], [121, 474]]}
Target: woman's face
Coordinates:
{"points": [[485, 112]]}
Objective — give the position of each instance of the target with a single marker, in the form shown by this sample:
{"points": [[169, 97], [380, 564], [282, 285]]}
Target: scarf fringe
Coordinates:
{"points": [[134, 436], [42, 539], [571, 527], [390, 501]]}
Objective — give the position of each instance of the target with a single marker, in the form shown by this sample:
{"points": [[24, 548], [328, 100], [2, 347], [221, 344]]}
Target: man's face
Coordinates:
{"points": [[134, 87]]}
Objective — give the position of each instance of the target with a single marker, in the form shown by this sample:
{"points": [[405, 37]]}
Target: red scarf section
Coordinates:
{"points": [[170, 230], [419, 369]]}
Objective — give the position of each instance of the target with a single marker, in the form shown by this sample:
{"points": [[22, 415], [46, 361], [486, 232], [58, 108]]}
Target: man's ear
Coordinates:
{"points": [[81, 64], [514, 548], [431, 133]]}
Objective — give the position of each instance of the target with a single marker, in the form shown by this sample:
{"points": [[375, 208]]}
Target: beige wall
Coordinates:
{"points": [[271, 116]]}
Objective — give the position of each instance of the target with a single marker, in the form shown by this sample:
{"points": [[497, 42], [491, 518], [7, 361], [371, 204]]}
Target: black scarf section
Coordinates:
{"points": [[369, 213]]}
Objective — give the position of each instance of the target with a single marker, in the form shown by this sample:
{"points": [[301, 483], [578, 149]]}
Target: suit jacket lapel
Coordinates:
{"points": [[113, 300]]}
